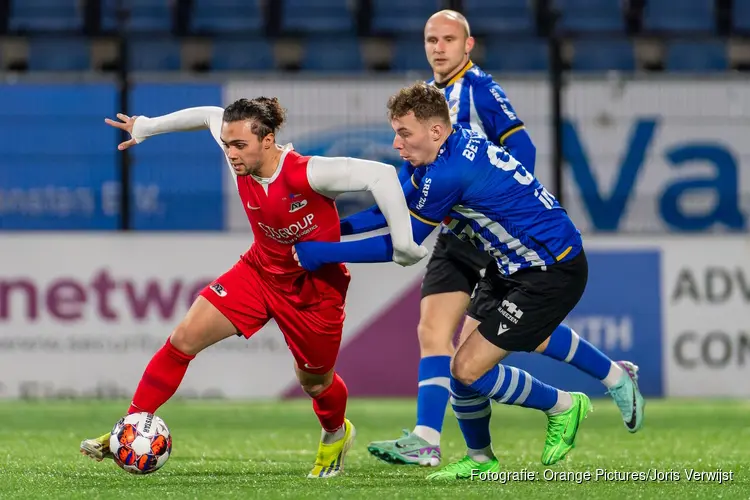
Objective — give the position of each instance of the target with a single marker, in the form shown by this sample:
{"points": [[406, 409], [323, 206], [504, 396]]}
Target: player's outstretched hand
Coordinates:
{"points": [[409, 255], [125, 124]]}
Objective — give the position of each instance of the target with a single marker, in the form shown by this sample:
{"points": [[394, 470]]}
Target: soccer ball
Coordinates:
{"points": [[141, 443]]}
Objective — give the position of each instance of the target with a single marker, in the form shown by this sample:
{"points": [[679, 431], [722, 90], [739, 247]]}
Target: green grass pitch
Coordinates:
{"points": [[265, 449]]}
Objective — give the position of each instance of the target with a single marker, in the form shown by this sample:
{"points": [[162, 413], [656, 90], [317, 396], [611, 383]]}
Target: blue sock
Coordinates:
{"points": [[512, 386], [433, 393], [473, 412], [565, 345]]}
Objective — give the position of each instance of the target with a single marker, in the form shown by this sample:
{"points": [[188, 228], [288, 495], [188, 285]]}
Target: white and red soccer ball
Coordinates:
{"points": [[141, 443]]}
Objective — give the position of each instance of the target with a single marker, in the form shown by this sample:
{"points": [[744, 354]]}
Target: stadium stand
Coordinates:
{"points": [[369, 35]]}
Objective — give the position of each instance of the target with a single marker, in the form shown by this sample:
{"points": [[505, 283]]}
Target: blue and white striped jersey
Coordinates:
{"points": [[494, 203], [478, 103]]}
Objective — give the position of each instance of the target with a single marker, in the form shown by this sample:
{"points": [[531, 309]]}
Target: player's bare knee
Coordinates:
{"points": [[433, 341], [543, 346], [186, 339], [463, 370], [313, 390]]}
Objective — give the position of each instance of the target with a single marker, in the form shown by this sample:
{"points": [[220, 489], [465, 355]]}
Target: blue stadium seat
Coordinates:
{"points": [[45, 15], [670, 16], [409, 55], [227, 16], [402, 16], [320, 16], [242, 55], [591, 16], [144, 15], [741, 17], [603, 55], [59, 54], [696, 56], [339, 54], [499, 17], [516, 55], [154, 55]]}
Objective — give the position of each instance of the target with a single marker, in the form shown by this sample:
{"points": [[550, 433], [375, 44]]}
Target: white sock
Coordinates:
{"points": [[483, 455], [564, 403], [614, 377], [332, 437], [428, 434]]}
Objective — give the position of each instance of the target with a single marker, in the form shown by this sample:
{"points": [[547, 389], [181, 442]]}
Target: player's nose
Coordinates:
{"points": [[397, 143]]}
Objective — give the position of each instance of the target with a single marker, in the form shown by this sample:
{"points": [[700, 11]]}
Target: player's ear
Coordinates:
{"points": [[469, 46], [436, 131], [269, 140]]}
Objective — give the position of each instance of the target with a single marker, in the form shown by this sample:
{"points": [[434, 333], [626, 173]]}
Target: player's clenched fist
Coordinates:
{"points": [[409, 255]]}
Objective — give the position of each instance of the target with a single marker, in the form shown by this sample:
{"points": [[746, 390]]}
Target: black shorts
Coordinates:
{"points": [[519, 312], [455, 266]]}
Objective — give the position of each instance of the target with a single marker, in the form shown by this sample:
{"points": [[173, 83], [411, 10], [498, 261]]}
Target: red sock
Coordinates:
{"points": [[330, 405], [161, 379]]}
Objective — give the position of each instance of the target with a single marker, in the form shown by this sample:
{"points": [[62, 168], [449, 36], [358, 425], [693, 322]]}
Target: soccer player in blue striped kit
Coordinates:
{"points": [[537, 275], [477, 103]]}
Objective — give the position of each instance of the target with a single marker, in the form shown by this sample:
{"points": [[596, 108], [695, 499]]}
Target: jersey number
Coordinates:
{"points": [[499, 159]]}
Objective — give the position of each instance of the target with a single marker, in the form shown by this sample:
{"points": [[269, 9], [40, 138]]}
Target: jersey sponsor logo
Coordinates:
{"points": [[504, 104], [291, 233], [252, 207], [425, 191], [219, 290]]}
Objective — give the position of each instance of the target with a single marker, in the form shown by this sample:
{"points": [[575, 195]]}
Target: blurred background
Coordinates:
{"points": [[638, 109]]}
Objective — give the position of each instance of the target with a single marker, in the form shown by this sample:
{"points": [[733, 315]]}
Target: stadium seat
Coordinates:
{"points": [[741, 17], [516, 55], [154, 55], [409, 55], [227, 16], [691, 16], [143, 15], [241, 55], [578, 16], [498, 17], [332, 55], [696, 56], [45, 15], [402, 16], [320, 16], [59, 54], [603, 55]]}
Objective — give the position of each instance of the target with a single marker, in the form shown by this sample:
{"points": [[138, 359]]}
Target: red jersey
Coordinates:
{"points": [[284, 210]]}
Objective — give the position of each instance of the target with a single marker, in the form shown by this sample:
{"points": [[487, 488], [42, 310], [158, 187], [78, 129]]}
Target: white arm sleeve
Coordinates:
{"points": [[200, 118], [333, 176]]}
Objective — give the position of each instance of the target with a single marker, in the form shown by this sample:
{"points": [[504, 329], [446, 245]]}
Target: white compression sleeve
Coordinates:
{"points": [[199, 118], [333, 176]]}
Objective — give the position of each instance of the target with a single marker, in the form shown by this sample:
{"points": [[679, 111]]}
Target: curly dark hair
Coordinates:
{"points": [[425, 101]]}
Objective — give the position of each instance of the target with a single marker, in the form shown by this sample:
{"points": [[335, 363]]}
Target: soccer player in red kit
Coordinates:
{"points": [[288, 198]]}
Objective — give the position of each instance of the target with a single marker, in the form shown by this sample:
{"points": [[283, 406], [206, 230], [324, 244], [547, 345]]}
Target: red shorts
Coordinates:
{"points": [[308, 309]]}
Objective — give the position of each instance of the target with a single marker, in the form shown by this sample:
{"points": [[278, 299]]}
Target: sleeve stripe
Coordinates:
{"points": [[412, 181], [562, 255], [422, 219], [510, 132]]}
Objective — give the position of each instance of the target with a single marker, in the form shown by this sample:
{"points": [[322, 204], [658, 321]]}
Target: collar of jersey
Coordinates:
{"points": [[457, 77], [268, 180], [444, 147]]}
